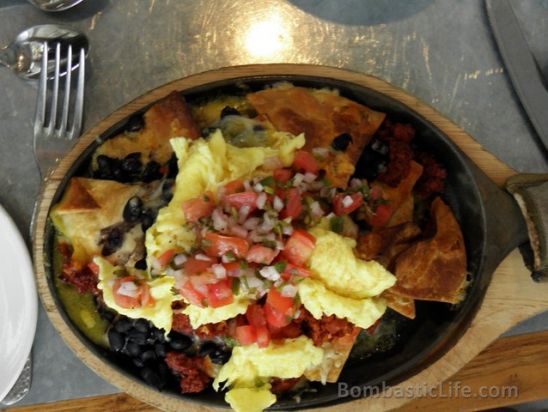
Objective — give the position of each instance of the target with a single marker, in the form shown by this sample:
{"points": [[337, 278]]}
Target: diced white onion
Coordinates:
{"points": [[298, 179], [220, 220], [347, 201], [155, 263], [238, 231], [128, 289], [243, 213], [316, 209], [227, 259], [201, 256], [252, 223], [219, 271], [258, 187], [287, 230], [179, 259], [270, 273], [247, 185], [254, 282], [355, 183], [261, 200], [279, 245], [288, 291], [309, 177], [277, 203]]}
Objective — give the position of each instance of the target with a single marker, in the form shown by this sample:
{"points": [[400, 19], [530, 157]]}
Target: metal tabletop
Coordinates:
{"points": [[441, 51]]}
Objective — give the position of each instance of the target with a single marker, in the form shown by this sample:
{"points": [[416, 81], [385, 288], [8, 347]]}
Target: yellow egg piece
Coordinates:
{"points": [[160, 314], [289, 359], [319, 300], [250, 399], [200, 316], [334, 264]]}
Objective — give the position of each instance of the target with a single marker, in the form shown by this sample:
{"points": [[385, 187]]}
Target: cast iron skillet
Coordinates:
{"points": [[490, 220]]}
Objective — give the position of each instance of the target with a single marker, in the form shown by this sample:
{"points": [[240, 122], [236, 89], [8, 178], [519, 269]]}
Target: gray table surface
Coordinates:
{"points": [[439, 50]]}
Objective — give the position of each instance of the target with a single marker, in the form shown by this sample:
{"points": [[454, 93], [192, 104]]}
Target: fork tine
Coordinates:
{"points": [[79, 107], [53, 108], [40, 114], [66, 98]]}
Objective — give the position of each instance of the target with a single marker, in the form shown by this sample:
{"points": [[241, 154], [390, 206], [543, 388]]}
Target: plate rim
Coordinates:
{"points": [[29, 294]]}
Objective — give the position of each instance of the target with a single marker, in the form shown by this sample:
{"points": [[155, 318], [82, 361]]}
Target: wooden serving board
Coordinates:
{"points": [[511, 297]]}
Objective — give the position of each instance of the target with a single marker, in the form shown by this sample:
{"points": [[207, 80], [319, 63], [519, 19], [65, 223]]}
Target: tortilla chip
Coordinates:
{"points": [[168, 118], [434, 269], [403, 305], [90, 205], [321, 115], [336, 353]]}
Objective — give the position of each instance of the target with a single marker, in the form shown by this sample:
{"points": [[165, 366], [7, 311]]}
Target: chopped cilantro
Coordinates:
{"points": [[235, 286], [280, 266], [243, 264], [269, 243], [336, 224], [268, 181]]}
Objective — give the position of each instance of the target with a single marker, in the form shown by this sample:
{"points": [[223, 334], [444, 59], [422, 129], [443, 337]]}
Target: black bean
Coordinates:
{"points": [[113, 241], [147, 218], [152, 172], [208, 130], [134, 350], [220, 356], [115, 340], [370, 164], [229, 111], [138, 337], [148, 355], [207, 347], [173, 167], [159, 335], [133, 209], [141, 264], [142, 325], [151, 377], [341, 142], [132, 163], [123, 325], [138, 362], [160, 350], [135, 123], [167, 190], [107, 167], [106, 314], [180, 342]]}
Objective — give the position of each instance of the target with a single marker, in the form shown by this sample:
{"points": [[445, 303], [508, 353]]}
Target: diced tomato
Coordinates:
{"points": [[282, 175], [246, 335], [232, 268], [339, 203], [191, 294], [233, 187], [292, 270], [275, 318], [290, 331], [255, 315], [128, 302], [146, 298], [306, 162], [199, 207], [218, 245], [263, 336], [261, 254], [94, 267], [299, 247], [293, 206], [220, 293], [165, 258], [382, 216], [194, 266], [278, 301], [241, 199]]}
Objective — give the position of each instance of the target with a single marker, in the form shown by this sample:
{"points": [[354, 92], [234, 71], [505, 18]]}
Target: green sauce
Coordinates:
{"points": [[80, 308]]}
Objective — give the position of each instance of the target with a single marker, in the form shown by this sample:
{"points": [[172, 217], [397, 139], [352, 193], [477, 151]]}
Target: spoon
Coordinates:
{"points": [[54, 5], [24, 54]]}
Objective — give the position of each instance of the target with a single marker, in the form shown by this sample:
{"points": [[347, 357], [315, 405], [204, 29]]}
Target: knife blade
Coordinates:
{"points": [[520, 65]]}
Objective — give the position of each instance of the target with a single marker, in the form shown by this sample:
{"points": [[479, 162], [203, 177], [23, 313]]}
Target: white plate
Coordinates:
{"points": [[18, 303]]}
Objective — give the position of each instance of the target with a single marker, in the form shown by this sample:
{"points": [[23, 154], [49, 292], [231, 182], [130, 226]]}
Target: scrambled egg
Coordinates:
{"points": [[199, 316], [334, 264], [319, 300], [250, 399], [250, 364], [160, 289], [204, 165]]}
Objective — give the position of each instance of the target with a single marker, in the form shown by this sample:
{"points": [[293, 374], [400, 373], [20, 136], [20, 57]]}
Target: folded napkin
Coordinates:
{"points": [[531, 194]]}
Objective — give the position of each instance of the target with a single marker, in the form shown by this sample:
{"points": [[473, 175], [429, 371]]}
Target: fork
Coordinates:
{"points": [[53, 137], [51, 140]]}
